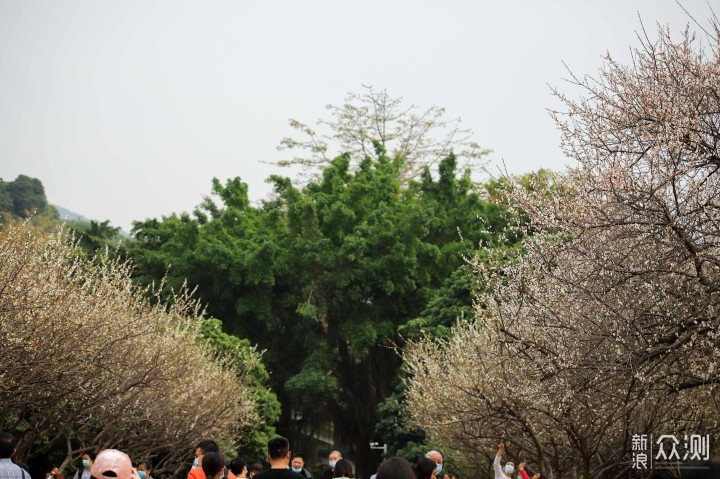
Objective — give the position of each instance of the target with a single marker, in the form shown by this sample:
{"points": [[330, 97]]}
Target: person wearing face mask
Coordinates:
{"points": [[502, 472], [144, 468], [297, 464], [437, 458], [87, 461], [202, 448], [333, 458]]}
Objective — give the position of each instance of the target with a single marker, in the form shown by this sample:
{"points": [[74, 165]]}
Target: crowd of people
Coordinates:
{"points": [[209, 463]]}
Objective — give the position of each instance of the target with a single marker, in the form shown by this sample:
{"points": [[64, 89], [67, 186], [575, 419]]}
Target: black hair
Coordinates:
{"points": [[89, 453], [237, 465], [424, 468], [278, 447], [395, 468], [7, 445], [146, 462], [212, 463], [207, 445], [300, 455], [343, 468], [255, 467]]}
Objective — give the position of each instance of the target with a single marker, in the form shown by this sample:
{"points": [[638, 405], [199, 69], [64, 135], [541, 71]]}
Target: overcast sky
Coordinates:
{"points": [[127, 109]]}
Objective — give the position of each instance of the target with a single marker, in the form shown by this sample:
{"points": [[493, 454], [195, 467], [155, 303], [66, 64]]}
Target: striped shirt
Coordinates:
{"points": [[10, 470]]}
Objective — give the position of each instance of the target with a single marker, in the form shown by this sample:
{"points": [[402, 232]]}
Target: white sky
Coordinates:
{"points": [[126, 109]]}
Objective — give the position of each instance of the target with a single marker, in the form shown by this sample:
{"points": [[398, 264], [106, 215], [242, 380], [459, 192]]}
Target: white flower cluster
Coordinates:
{"points": [[607, 325], [89, 362]]}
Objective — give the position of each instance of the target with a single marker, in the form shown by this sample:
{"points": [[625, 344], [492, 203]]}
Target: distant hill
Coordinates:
{"points": [[25, 197], [66, 214], [71, 216]]}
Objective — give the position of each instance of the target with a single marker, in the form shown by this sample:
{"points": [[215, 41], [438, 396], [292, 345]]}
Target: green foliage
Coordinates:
{"points": [[25, 198], [6, 198], [401, 437], [245, 359], [330, 279], [94, 236], [27, 194]]}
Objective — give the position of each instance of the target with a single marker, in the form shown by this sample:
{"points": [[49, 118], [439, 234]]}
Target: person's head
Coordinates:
{"points": [[8, 443], [343, 468], [254, 468], [89, 457], [445, 475], [395, 468], [436, 457], [333, 458], [509, 469], [213, 464], [144, 468], [112, 464], [279, 451], [298, 462], [202, 448], [425, 469], [238, 466]]}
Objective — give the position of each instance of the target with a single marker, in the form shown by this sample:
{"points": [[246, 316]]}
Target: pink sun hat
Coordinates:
{"points": [[112, 464]]}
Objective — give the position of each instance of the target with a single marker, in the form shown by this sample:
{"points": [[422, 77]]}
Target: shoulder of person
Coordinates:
{"points": [[196, 473]]}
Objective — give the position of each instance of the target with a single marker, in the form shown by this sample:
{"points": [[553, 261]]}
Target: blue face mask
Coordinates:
{"points": [[142, 474], [295, 469], [332, 463], [509, 469], [86, 463], [196, 462], [438, 469]]}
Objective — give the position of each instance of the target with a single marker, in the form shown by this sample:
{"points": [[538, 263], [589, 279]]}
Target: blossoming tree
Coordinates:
{"points": [[607, 326]]}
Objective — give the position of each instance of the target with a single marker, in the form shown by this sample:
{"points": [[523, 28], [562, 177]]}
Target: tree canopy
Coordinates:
{"points": [[422, 137], [330, 278], [24, 198]]}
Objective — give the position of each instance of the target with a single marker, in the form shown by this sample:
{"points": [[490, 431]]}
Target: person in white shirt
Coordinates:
{"points": [[500, 472], [8, 469]]}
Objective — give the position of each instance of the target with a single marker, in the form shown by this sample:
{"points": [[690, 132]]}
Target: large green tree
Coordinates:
{"points": [[25, 197], [329, 279]]}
